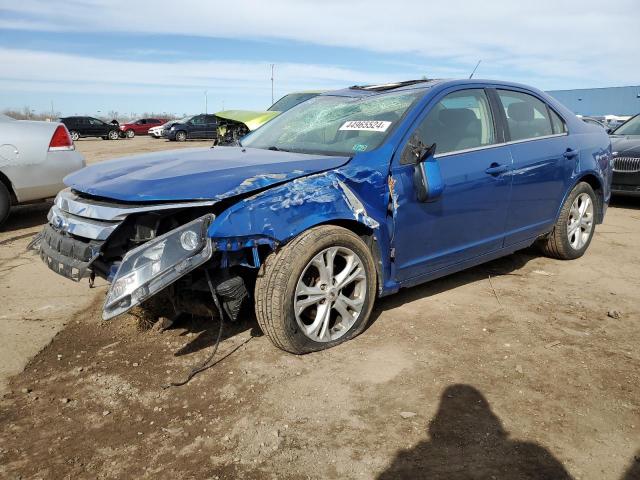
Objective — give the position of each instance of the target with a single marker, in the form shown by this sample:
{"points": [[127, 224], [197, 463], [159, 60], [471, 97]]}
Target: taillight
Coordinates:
{"points": [[61, 140]]}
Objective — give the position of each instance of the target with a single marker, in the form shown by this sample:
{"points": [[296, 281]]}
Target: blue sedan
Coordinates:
{"points": [[351, 195]]}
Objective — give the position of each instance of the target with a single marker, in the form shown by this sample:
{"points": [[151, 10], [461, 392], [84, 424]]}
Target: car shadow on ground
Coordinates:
{"points": [[502, 266], [26, 216], [467, 440], [632, 203], [206, 330]]}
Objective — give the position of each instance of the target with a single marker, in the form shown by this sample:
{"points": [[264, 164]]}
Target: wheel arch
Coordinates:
{"points": [[595, 183], [7, 183], [369, 236]]}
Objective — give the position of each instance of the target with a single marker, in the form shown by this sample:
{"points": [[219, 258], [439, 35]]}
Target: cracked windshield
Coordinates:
{"points": [[334, 124]]}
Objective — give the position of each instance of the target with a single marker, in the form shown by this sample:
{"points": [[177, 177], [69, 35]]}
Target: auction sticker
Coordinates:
{"points": [[366, 125]]}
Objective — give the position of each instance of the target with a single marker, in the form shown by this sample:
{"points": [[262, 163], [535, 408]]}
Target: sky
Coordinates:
{"points": [[94, 56]]}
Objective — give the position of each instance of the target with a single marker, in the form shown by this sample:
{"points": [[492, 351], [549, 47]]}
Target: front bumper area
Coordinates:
{"points": [[67, 256]]}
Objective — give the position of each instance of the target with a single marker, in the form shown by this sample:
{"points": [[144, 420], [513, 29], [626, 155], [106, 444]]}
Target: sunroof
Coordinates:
{"points": [[389, 86]]}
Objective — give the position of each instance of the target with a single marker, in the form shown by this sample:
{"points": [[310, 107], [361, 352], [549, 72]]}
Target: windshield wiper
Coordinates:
{"points": [[276, 149]]}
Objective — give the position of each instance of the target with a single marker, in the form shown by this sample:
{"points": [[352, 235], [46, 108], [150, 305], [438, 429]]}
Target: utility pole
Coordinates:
{"points": [[205, 101], [272, 65]]}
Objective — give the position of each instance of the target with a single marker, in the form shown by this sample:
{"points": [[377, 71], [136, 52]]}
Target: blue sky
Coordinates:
{"points": [[87, 56]]}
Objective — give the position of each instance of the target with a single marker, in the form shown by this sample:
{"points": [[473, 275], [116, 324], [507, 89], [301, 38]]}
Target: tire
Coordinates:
{"points": [[5, 203], [286, 271], [181, 136], [559, 243], [113, 135], [129, 134], [75, 136]]}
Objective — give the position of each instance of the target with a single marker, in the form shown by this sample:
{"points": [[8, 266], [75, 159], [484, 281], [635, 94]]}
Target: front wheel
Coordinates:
{"points": [[181, 136], [113, 135], [74, 135], [573, 231], [130, 134], [317, 291]]}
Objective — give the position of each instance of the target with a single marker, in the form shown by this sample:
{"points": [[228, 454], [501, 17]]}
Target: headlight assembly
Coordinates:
{"points": [[146, 270]]}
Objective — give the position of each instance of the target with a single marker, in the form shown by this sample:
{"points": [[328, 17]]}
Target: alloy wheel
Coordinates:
{"points": [[330, 294], [580, 221]]}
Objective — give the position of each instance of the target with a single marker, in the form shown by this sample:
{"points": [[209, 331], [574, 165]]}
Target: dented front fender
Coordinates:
{"points": [[346, 195]]}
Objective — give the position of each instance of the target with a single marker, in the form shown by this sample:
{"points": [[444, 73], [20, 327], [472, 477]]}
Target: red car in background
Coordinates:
{"points": [[140, 127]]}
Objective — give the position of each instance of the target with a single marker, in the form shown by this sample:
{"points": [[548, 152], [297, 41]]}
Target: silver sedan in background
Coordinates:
{"points": [[34, 158]]}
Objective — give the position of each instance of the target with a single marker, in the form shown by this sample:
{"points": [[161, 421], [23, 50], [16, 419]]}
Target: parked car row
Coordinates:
{"points": [[228, 126]]}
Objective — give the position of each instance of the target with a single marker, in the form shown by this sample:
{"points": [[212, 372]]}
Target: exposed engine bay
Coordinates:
{"points": [[144, 250], [230, 131]]}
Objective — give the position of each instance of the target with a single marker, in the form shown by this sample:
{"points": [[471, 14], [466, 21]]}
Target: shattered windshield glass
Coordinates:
{"points": [[334, 124]]}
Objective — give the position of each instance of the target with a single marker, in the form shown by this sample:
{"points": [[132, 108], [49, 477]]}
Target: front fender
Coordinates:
{"points": [[283, 212], [277, 215]]}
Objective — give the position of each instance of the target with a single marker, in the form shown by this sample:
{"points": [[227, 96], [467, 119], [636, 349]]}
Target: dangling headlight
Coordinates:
{"points": [[146, 270]]}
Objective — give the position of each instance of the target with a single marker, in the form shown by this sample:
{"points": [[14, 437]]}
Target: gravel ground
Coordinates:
{"points": [[525, 367]]}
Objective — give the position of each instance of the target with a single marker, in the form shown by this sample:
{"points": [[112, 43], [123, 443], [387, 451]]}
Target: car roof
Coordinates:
{"points": [[406, 85]]}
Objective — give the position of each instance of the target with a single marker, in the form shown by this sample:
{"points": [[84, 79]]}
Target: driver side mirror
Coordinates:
{"points": [[427, 179]]}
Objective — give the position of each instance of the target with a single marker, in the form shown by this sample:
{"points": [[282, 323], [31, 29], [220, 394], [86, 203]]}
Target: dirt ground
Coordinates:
{"points": [[525, 367]]}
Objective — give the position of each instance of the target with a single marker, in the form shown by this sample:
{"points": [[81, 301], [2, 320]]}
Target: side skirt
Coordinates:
{"points": [[457, 267]]}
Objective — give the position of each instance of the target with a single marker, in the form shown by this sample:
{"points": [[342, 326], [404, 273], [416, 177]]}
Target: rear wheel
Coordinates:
{"points": [[113, 135], [181, 136], [317, 291], [574, 229], [130, 134], [74, 135], [5, 203]]}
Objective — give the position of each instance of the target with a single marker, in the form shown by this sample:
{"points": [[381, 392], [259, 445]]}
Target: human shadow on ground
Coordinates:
{"points": [[633, 471], [467, 441]]}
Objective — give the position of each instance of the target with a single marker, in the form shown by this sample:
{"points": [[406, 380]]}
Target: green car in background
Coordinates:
{"points": [[235, 124]]}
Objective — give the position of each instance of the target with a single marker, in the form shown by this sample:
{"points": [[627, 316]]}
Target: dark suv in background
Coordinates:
{"points": [[198, 126], [90, 127]]}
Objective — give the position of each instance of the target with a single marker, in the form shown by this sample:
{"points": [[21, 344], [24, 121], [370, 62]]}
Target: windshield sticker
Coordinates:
{"points": [[366, 125], [360, 147]]}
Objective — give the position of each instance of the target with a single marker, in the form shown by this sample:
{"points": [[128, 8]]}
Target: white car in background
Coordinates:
{"points": [[34, 158], [156, 132]]}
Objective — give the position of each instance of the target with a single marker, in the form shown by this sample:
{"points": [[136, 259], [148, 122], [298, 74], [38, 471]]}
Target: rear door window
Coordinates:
{"points": [[527, 116], [558, 124]]}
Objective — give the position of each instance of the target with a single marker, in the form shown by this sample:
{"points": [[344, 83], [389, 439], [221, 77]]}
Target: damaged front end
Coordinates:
{"points": [[140, 250]]}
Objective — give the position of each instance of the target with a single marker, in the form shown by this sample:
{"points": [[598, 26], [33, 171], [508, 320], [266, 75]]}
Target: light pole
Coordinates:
{"points": [[272, 66], [205, 101]]}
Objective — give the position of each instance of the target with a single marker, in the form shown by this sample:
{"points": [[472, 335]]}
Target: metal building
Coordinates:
{"points": [[601, 101]]}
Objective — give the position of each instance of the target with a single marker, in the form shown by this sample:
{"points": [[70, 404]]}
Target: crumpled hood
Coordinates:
{"points": [[196, 174], [629, 145]]}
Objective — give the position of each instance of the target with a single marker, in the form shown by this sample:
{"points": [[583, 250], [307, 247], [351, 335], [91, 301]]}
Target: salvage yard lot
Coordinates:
{"points": [[523, 366]]}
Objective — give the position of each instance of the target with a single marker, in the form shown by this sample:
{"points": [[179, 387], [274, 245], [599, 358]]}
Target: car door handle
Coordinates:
{"points": [[570, 153], [496, 169]]}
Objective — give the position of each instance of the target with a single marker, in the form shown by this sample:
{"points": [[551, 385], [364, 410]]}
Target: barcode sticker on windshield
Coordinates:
{"points": [[366, 125]]}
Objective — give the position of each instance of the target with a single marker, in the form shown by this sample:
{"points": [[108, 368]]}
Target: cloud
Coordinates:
{"points": [[37, 67], [545, 39]]}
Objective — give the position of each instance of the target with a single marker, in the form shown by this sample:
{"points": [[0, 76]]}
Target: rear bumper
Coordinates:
{"points": [[626, 183]]}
